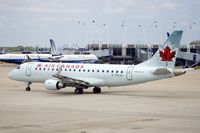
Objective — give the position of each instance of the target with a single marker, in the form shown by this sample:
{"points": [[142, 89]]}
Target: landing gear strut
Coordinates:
{"points": [[78, 91], [96, 90], [28, 88]]}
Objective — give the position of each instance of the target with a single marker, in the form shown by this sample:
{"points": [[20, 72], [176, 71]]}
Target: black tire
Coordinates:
{"points": [[96, 90], [28, 89], [78, 91]]}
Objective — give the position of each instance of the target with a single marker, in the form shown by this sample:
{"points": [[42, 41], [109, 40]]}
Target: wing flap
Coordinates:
{"points": [[71, 81]]}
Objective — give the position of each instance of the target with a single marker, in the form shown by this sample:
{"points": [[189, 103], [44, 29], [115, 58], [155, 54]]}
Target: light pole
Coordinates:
{"points": [[144, 37], [150, 33], [84, 26], [174, 26], [124, 33], [191, 28], [107, 33], [160, 30]]}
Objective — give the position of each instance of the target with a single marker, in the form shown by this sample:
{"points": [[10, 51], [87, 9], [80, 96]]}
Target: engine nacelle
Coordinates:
{"points": [[52, 84]]}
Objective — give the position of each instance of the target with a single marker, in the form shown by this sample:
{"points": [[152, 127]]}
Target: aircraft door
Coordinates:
{"points": [[129, 73], [28, 69]]}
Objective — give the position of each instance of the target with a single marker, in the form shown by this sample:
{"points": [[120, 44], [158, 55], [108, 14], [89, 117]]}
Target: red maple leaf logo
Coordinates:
{"points": [[167, 55]]}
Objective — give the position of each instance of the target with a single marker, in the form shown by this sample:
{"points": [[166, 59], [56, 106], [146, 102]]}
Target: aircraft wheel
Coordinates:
{"points": [[28, 89], [78, 91], [96, 90]]}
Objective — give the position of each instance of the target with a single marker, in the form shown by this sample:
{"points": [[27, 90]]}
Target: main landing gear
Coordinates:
{"points": [[28, 88], [96, 90], [79, 90]]}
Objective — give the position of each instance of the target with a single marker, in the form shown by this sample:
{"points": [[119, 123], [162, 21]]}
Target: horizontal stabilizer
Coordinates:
{"points": [[56, 58], [162, 71]]}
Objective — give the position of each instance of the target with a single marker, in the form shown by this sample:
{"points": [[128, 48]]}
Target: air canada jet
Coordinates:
{"points": [[56, 76]]}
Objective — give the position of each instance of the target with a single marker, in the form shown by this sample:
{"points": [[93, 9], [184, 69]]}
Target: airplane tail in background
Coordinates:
{"points": [[166, 54], [54, 51]]}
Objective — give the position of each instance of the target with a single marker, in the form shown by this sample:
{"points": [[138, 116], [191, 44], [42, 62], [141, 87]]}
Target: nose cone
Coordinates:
{"points": [[11, 75]]}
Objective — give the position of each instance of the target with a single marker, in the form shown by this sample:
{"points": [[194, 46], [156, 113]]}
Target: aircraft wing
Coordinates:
{"points": [[71, 81], [80, 81], [68, 81]]}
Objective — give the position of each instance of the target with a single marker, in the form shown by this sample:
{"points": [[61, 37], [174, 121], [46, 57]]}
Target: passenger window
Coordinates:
{"points": [[69, 69], [57, 69], [116, 71], [83, 70], [79, 70], [44, 69], [88, 70], [121, 71], [52, 69], [92, 70], [35, 68], [40, 69], [65, 69], [102, 71], [107, 71], [111, 71], [97, 70], [74, 70]]}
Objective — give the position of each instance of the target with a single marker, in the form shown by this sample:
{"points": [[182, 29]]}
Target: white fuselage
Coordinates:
{"points": [[20, 58], [78, 58], [95, 74]]}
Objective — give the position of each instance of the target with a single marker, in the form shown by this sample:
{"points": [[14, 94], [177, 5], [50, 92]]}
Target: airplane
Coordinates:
{"points": [[82, 58], [53, 57], [56, 76], [21, 58], [2, 51]]}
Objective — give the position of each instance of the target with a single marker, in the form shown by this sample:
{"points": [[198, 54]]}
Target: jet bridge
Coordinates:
{"points": [[189, 56]]}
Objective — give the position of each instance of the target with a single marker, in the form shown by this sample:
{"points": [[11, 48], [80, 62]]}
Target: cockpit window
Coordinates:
{"points": [[18, 67]]}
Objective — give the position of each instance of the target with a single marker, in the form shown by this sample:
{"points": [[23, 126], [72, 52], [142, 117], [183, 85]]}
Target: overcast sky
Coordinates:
{"points": [[34, 22]]}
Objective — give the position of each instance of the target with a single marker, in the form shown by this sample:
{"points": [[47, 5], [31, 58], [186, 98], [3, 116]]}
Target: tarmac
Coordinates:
{"points": [[169, 105]]}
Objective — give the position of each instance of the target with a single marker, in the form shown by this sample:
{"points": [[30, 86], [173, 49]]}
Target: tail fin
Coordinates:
{"points": [[54, 51], [166, 54]]}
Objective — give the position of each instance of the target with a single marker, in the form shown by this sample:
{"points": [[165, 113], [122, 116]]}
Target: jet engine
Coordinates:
{"points": [[52, 84]]}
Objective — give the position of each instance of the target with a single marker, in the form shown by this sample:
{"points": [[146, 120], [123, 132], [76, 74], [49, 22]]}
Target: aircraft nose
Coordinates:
{"points": [[11, 75]]}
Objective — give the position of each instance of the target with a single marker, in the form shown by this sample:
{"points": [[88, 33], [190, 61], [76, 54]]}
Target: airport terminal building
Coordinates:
{"points": [[136, 53]]}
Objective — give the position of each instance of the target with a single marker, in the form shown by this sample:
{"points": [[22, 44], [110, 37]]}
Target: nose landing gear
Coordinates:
{"points": [[28, 88]]}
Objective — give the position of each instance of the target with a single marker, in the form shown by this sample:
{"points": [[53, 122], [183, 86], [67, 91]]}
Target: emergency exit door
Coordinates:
{"points": [[129, 73], [28, 69]]}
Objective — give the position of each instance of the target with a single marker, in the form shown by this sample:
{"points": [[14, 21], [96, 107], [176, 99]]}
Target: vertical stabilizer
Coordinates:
{"points": [[166, 54], [54, 51]]}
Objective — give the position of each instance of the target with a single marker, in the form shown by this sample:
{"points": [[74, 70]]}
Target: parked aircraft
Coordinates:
{"points": [[56, 76], [53, 57], [83, 58], [21, 58]]}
